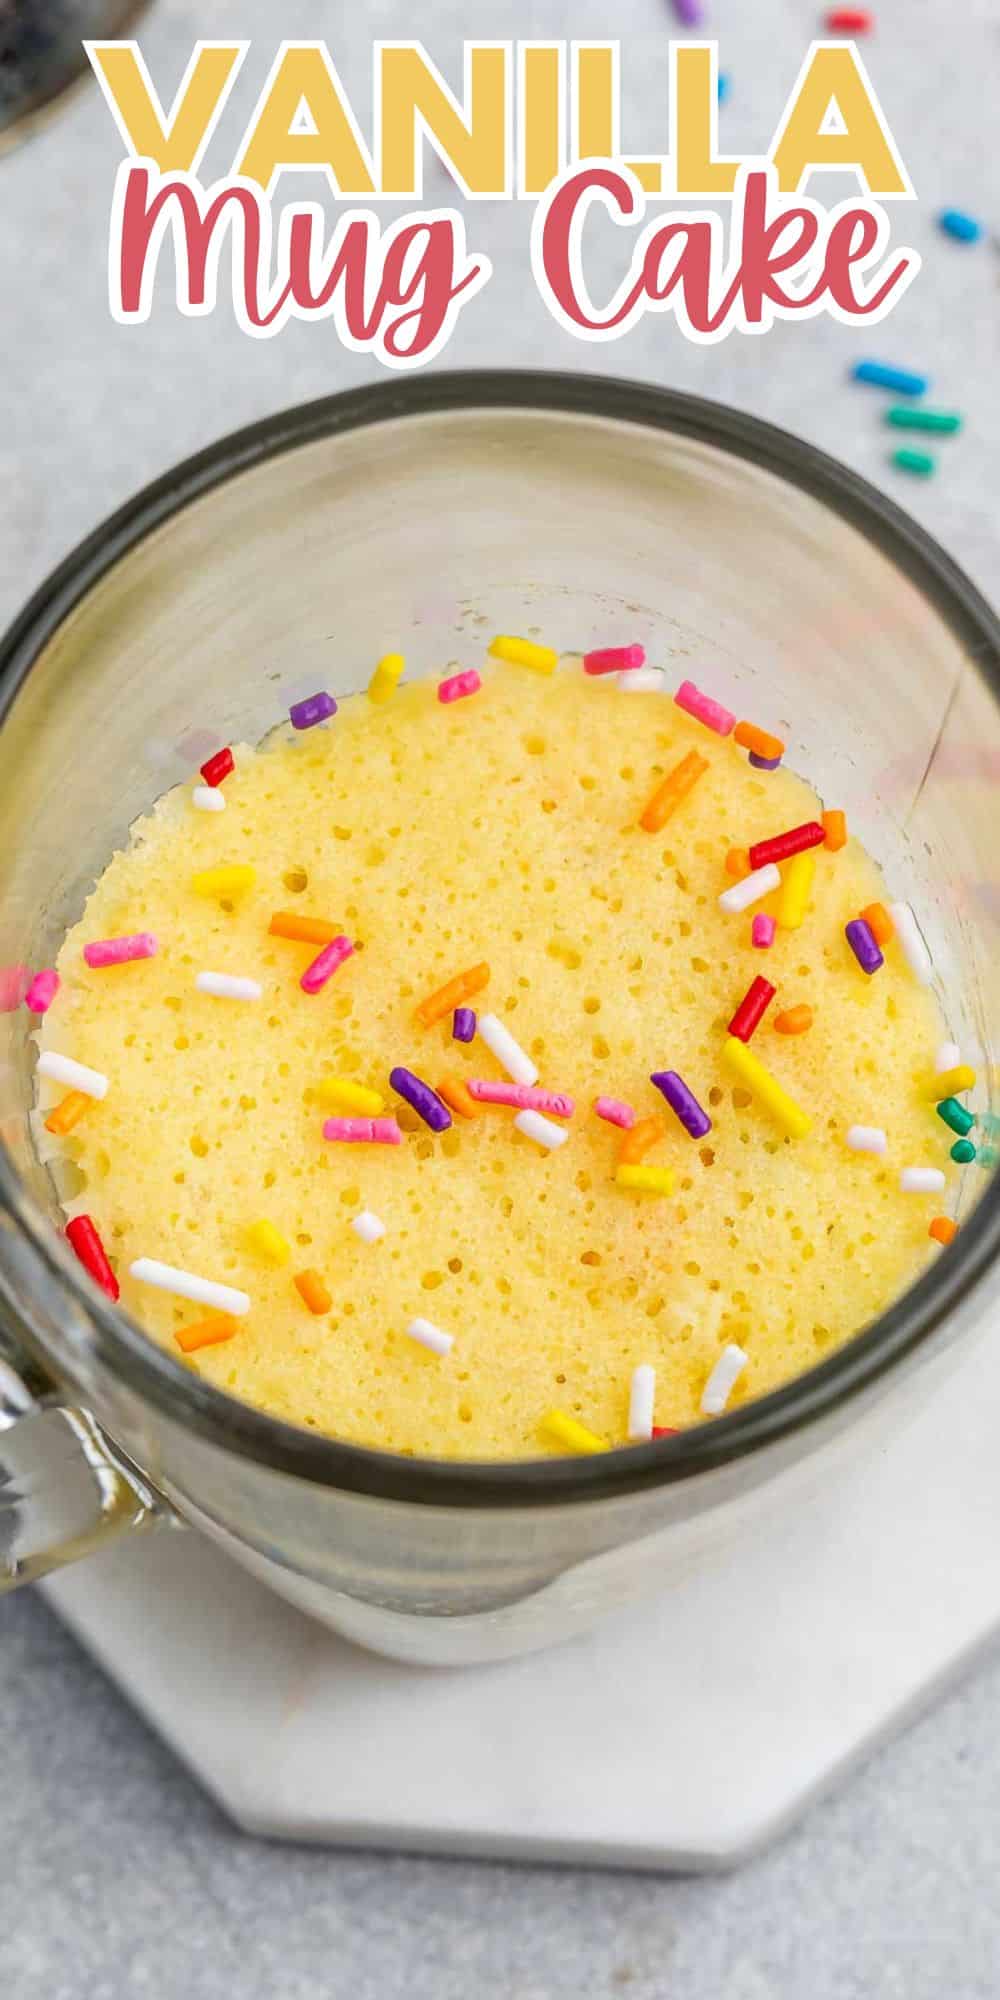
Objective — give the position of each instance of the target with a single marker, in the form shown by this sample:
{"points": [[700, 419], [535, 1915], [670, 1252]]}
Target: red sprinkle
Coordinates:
{"points": [[849, 21], [218, 767], [83, 1238], [664, 1431], [752, 1009], [784, 845]]}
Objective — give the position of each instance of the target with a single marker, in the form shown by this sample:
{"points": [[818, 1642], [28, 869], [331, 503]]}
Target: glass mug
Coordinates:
{"points": [[426, 513]]}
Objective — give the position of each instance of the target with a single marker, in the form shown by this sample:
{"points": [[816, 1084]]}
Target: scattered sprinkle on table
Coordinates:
{"points": [[849, 21], [914, 417], [907, 459], [964, 228], [881, 375]]}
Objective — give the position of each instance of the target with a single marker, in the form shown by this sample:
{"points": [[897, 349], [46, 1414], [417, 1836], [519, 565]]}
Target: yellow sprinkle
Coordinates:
{"points": [[233, 880], [385, 679], [269, 1242], [647, 1180], [765, 1087], [796, 889], [565, 1431], [522, 653], [354, 1099], [948, 1083]]}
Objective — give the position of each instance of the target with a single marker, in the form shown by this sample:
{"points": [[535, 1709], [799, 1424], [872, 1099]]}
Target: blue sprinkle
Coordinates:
{"points": [[964, 228], [897, 379], [724, 85]]}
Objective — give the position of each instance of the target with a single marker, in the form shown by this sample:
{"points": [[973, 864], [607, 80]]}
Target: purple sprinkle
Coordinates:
{"points": [[315, 708], [424, 1101], [463, 1027], [861, 939], [691, 12], [763, 763], [683, 1102]]}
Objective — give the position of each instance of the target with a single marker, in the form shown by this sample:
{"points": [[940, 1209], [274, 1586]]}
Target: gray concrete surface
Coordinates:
{"points": [[117, 1877]]}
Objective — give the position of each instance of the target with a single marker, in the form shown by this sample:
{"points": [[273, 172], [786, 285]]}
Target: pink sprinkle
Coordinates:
{"points": [[704, 709], [14, 983], [615, 1112], [42, 992], [762, 932], [325, 964], [363, 1131], [459, 686], [120, 950], [524, 1096], [614, 660]]}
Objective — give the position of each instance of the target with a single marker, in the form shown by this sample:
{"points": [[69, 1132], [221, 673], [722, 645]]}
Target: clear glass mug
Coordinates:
{"points": [[425, 513]]}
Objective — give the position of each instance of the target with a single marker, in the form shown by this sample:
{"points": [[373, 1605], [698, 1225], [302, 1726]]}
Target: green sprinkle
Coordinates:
{"points": [[919, 419], [963, 1152], [956, 1115], [909, 460]]}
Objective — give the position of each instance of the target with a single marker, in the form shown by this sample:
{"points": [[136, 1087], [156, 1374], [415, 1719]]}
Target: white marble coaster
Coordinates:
{"points": [[684, 1735]]}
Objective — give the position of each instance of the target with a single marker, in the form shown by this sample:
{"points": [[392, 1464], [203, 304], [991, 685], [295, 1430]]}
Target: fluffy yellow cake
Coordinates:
{"points": [[506, 829]]}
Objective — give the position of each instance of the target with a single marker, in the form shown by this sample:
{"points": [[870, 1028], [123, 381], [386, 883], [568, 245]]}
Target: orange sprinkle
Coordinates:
{"points": [[457, 991], [312, 1291], [674, 787], [637, 1143], [67, 1113], [879, 922], [835, 829], [943, 1229], [738, 862], [457, 1098], [305, 930], [206, 1333], [794, 1021], [749, 737]]}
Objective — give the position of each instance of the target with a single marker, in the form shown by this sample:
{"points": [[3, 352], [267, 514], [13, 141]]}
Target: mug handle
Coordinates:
{"points": [[64, 1492]]}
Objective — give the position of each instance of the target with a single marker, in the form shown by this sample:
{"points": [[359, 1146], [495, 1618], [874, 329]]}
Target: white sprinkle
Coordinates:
{"points": [[641, 1403], [751, 889], [722, 1380], [208, 799], [642, 680], [368, 1226], [509, 1054], [948, 1056], [62, 1069], [222, 1298], [226, 988], [911, 940], [867, 1139], [921, 1180], [430, 1336], [542, 1130]]}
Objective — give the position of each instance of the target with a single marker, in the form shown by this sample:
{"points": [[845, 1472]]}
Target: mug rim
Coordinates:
{"points": [[232, 1426]]}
